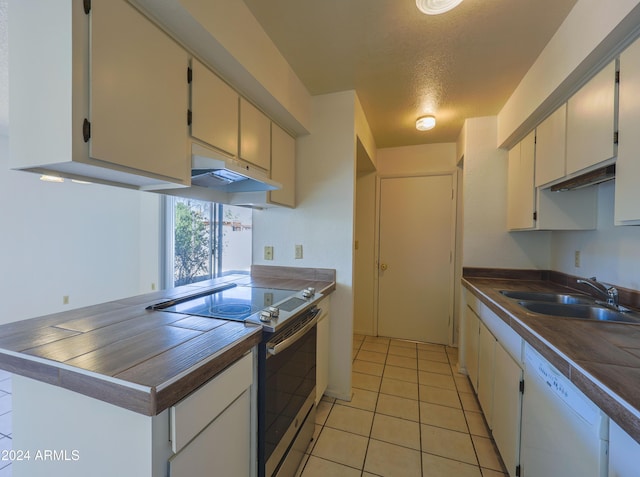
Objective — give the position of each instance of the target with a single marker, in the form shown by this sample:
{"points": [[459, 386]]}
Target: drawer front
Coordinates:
{"points": [[196, 411]]}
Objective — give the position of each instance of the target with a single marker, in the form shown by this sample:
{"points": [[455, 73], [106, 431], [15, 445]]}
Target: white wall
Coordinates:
{"points": [[365, 272], [610, 253], [92, 243], [486, 242], [323, 221], [422, 159]]}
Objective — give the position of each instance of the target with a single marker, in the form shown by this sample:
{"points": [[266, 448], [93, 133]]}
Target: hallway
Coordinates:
{"points": [[411, 414]]}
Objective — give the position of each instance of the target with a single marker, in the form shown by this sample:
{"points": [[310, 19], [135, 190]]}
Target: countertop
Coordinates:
{"points": [[141, 360], [601, 358]]}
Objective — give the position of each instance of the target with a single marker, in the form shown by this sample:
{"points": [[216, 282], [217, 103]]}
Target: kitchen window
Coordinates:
{"points": [[205, 240]]}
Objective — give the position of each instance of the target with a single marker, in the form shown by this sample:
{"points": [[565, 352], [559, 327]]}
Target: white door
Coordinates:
{"points": [[416, 242]]}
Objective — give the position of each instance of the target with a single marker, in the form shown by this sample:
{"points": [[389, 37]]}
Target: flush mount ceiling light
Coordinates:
{"points": [[436, 7], [424, 123]]}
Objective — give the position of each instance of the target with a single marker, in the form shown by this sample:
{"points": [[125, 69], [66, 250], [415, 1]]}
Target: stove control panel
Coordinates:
{"points": [[269, 313]]}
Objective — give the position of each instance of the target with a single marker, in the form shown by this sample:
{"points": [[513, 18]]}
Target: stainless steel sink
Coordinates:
{"points": [[581, 311], [548, 297]]}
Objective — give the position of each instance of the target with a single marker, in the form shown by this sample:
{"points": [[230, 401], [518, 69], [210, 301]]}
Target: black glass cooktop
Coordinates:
{"points": [[235, 303]]}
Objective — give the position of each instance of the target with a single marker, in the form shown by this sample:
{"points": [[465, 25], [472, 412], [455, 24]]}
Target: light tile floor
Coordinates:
{"points": [[411, 414], [5, 422]]}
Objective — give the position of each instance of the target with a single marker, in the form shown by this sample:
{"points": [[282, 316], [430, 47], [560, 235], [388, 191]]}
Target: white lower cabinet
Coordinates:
{"points": [[507, 405], [486, 363], [624, 453], [471, 343], [493, 352], [222, 445], [212, 427], [322, 350]]}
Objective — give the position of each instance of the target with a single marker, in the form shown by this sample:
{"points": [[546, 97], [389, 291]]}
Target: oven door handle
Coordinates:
{"points": [[274, 350]]}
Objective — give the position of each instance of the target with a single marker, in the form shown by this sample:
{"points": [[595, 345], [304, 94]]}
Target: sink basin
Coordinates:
{"points": [[548, 297], [582, 311]]}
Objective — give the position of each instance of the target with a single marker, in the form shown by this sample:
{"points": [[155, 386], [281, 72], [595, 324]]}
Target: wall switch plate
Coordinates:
{"points": [[65, 300], [298, 251], [268, 252], [577, 258]]}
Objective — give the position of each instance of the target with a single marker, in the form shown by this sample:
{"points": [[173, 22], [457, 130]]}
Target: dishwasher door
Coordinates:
{"points": [[563, 432]]}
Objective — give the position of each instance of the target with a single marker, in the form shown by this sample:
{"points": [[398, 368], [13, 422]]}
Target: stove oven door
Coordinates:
{"points": [[288, 396]]}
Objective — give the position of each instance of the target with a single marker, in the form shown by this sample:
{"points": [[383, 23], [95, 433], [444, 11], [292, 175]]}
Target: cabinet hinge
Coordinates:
{"points": [[535, 216], [189, 117], [189, 75], [615, 137], [87, 6], [86, 130], [521, 386], [617, 77], [517, 470]]}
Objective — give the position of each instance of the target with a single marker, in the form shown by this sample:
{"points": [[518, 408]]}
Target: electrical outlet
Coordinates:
{"points": [[268, 252], [153, 286], [298, 251], [65, 300], [577, 258]]}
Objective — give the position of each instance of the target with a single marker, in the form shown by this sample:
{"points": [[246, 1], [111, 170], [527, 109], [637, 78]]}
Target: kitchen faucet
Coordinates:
{"points": [[610, 293]]}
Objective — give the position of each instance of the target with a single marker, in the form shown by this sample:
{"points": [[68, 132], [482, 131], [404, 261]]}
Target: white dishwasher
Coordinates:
{"points": [[563, 433]]}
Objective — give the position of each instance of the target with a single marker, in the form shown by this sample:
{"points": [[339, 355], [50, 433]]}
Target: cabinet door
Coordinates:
{"points": [[623, 453], [486, 358], [628, 163], [222, 448], [283, 166], [255, 136], [520, 184], [322, 350], [507, 405], [551, 140], [590, 121], [139, 93], [471, 338], [214, 106]]}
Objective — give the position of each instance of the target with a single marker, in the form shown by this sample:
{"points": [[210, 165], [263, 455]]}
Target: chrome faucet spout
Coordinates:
{"points": [[610, 293]]}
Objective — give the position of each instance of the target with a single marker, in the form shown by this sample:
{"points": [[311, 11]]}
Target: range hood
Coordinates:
{"points": [[211, 169], [598, 176]]}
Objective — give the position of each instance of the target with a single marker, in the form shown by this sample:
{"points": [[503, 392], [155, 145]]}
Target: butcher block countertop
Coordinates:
{"points": [[601, 358], [141, 360]]}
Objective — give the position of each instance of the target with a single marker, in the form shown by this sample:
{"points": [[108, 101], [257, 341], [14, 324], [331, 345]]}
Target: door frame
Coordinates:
{"points": [[452, 260]]}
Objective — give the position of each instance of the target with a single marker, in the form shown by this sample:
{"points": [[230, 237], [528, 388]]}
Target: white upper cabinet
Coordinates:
{"points": [[591, 122], [520, 184], [627, 192], [214, 108], [138, 93], [255, 136], [551, 140], [92, 101], [283, 166], [535, 208]]}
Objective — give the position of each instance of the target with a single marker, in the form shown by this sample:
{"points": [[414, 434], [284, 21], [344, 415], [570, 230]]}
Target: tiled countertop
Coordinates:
{"points": [[600, 358], [131, 357]]}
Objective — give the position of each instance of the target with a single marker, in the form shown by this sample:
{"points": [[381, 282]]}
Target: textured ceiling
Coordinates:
{"points": [[403, 64]]}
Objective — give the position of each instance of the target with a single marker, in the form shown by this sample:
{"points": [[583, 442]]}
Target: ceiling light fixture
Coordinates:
{"points": [[51, 178], [436, 7], [424, 123]]}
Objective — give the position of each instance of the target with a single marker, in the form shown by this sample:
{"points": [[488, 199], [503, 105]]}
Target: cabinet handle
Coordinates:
{"points": [[383, 267]]}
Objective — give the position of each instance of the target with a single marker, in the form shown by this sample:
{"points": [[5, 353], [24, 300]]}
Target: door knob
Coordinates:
{"points": [[383, 266]]}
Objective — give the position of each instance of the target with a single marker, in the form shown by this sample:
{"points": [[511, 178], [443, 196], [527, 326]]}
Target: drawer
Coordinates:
{"points": [[189, 416]]}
